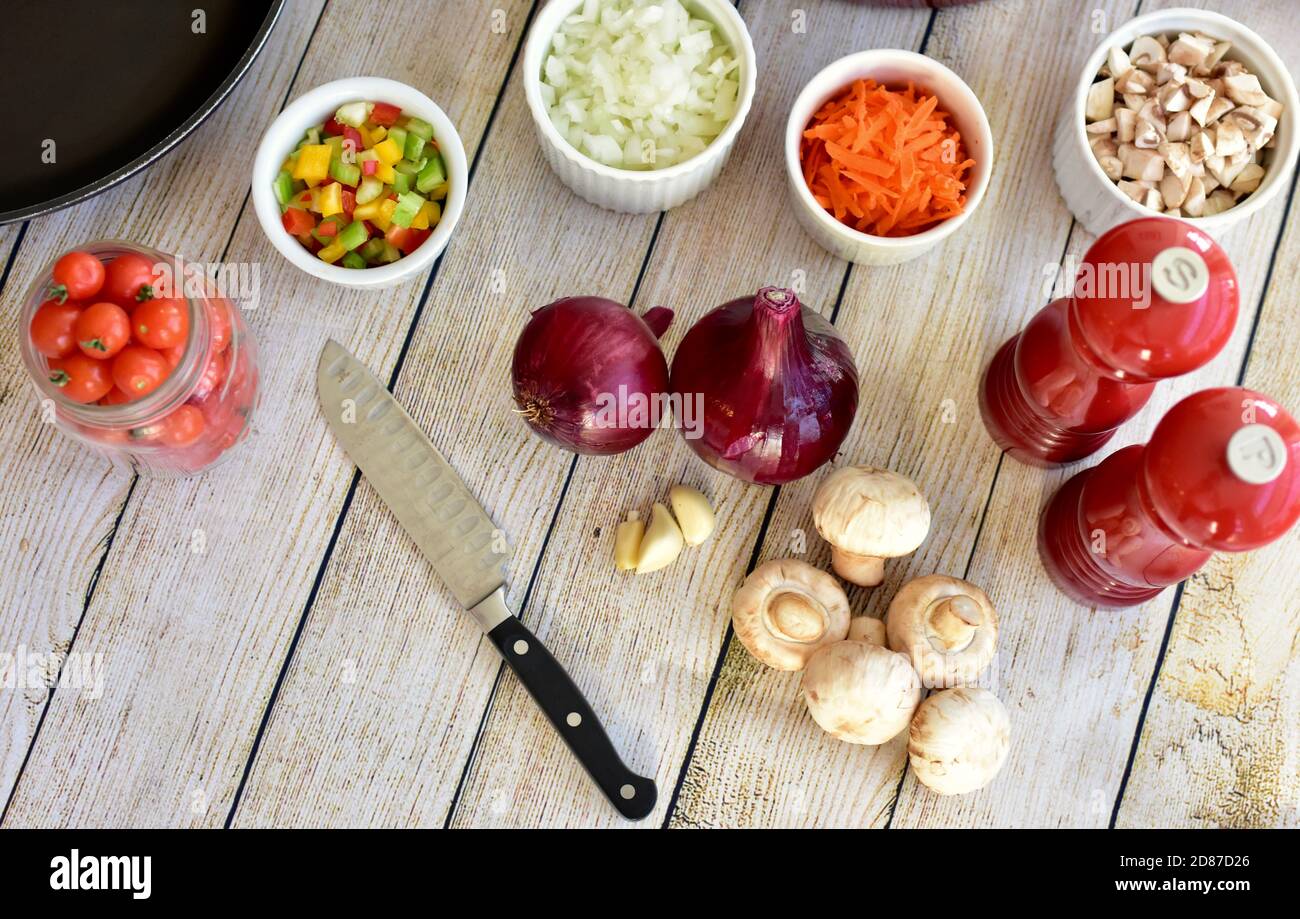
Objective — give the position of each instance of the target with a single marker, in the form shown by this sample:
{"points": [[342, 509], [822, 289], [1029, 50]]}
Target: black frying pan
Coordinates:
{"points": [[114, 85]]}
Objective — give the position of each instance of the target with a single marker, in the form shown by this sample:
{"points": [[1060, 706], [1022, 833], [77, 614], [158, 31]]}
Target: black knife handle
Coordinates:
{"points": [[542, 675]]}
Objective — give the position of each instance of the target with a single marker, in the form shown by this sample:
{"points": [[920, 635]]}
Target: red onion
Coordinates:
{"points": [[779, 388], [587, 369]]}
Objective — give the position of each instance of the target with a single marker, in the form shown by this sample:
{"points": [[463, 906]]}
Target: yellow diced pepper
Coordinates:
{"points": [[367, 139], [332, 253], [439, 191], [366, 211], [384, 218], [313, 163], [377, 133], [428, 214], [330, 200], [387, 151], [385, 173]]}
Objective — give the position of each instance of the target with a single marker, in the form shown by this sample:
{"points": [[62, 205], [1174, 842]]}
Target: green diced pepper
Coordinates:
{"points": [[432, 175], [346, 173], [354, 234], [408, 205], [352, 260], [420, 127], [402, 182], [283, 186], [398, 134], [369, 189], [414, 147]]}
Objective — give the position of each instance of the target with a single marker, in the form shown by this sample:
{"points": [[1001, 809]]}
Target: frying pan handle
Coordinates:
{"points": [[555, 693]]}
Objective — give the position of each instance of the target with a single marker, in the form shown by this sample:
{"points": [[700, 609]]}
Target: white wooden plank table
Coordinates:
{"points": [[307, 668]]}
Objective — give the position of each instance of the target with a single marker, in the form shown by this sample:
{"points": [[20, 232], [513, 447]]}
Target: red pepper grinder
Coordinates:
{"points": [[1221, 473], [1154, 298]]}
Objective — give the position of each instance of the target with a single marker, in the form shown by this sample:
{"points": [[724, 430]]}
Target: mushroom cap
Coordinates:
{"points": [[959, 740], [868, 511], [865, 628], [860, 692], [950, 642], [786, 610]]}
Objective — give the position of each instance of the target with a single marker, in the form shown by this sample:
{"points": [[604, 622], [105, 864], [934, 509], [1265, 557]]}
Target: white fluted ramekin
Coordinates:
{"points": [[891, 67], [1096, 201], [628, 190]]}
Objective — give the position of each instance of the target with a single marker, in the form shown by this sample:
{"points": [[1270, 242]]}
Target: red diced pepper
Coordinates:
{"points": [[349, 202], [352, 134], [385, 114], [406, 240], [297, 221], [328, 228], [332, 126], [369, 167]]}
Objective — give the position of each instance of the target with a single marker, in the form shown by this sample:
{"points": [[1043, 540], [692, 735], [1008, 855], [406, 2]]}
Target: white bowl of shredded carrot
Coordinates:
{"points": [[888, 152]]}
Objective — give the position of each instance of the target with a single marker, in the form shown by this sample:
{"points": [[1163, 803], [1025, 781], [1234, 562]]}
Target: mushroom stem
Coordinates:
{"points": [[863, 570], [795, 616], [952, 621]]}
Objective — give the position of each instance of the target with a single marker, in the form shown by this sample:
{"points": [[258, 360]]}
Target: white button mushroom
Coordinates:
{"points": [[946, 626], [864, 628], [959, 740], [869, 515], [860, 692], [786, 610]]}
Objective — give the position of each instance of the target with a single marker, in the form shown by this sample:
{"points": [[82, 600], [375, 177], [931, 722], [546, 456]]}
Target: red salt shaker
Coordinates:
{"points": [[1154, 298], [1220, 473]]}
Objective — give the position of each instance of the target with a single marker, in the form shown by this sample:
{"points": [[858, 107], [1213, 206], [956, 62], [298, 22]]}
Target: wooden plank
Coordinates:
{"points": [[922, 332], [643, 648], [60, 501], [193, 641], [386, 690], [1072, 678]]}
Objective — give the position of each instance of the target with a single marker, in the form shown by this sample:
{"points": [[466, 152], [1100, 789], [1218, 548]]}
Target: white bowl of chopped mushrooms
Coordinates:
{"points": [[1180, 112], [637, 105]]}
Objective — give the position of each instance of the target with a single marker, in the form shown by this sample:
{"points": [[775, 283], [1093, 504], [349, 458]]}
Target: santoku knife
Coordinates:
{"points": [[466, 550]]}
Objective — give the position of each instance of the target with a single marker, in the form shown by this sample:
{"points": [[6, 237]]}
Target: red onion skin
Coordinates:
{"points": [[573, 352], [780, 388]]}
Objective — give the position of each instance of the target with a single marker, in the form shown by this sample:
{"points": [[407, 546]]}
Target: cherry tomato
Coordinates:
{"points": [[213, 375], [52, 328], [115, 397], [77, 275], [103, 329], [183, 426], [139, 371], [173, 355], [80, 378], [129, 279], [163, 323], [219, 321]]}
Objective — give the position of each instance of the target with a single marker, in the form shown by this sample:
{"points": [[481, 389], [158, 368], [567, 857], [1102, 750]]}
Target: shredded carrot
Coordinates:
{"points": [[888, 162]]}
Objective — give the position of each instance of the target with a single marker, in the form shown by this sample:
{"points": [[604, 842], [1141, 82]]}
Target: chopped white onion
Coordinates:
{"points": [[639, 84]]}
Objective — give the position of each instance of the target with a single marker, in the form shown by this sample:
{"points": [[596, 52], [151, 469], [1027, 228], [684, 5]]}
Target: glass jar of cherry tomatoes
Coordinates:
{"points": [[140, 355]]}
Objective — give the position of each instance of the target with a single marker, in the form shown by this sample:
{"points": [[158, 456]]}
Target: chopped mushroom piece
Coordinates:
{"points": [[786, 610], [959, 740], [1172, 109], [869, 515], [860, 692]]}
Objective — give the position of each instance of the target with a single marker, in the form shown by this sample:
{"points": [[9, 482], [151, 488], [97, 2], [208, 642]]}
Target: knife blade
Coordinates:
{"points": [[468, 552]]}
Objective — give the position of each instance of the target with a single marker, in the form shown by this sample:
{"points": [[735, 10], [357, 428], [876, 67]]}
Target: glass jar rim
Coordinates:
{"points": [[170, 394]]}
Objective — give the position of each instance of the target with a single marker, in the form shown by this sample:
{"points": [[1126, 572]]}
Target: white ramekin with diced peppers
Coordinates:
{"points": [[360, 182]]}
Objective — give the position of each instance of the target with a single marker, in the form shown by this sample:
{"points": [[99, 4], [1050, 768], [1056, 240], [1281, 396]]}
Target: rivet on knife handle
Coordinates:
{"points": [[632, 795]]}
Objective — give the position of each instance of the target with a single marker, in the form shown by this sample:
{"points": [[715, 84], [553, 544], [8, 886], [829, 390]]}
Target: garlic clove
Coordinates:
{"points": [[693, 513], [627, 542], [662, 543]]}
